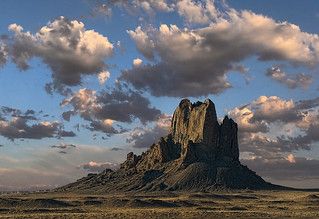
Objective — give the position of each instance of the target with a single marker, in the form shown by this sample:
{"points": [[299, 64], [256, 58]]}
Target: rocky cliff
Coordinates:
{"points": [[202, 138], [199, 154]]}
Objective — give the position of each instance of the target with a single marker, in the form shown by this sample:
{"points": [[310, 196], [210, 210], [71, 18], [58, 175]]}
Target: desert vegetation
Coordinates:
{"points": [[239, 204]]}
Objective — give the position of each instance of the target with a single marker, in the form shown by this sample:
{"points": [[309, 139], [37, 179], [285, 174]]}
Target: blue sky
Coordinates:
{"points": [[295, 78]]}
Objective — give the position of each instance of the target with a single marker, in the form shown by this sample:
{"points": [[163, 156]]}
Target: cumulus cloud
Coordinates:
{"points": [[151, 5], [103, 108], [19, 128], [198, 12], [271, 126], [137, 62], [145, 137], [104, 126], [15, 124], [103, 76], [243, 116], [68, 49], [264, 110], [143, 42], [3, 53], [274, 108], [195, 62], [299, 80], [96, 167]]}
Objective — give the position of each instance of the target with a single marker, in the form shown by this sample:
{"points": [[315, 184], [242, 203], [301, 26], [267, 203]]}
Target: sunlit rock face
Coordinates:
{"points": [[195, 127], [195, 122]]}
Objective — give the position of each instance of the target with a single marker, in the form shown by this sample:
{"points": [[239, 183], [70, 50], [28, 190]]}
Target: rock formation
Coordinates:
{"points": [[198, 154]]}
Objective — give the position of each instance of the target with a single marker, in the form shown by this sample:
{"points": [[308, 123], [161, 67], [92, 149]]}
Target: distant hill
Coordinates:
{"points": [[199, 154]]}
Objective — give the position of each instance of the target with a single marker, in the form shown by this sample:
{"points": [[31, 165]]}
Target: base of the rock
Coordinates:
{"points": [[173, 176]]}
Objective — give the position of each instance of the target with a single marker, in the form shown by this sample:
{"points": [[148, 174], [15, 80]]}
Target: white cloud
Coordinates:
{"points": [[85, 101], [150, 5], [106, 107], [137, 62], [3, 53], [198, 12], [143, 42], [272, 126], [273, 108], [195, 62], [65, 46], [243, 116], [103, 77]]}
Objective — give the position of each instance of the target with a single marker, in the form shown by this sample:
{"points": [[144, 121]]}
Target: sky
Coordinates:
{"points": [[84, 82]]}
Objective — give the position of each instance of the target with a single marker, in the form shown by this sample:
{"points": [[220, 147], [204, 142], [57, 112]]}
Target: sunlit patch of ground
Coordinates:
{"points": [[239, 204]]}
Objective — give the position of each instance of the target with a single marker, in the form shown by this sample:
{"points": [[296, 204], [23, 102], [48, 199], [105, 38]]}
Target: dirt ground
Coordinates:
{"points": [[235, 204]]}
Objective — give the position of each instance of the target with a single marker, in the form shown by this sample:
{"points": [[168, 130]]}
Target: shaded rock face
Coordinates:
{"points": [[198, 154], [228, 141], [131, 161], [162, 152]]}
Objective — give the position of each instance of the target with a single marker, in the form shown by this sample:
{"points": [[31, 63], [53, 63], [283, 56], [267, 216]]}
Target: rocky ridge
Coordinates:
{"points": [[198, 154]]}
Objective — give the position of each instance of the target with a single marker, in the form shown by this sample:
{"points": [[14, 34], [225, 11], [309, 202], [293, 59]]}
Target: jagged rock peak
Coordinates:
{"points": [[228, 140], [199, 154], [196, 122], [196, 136], [186, 103], [195, 127]]}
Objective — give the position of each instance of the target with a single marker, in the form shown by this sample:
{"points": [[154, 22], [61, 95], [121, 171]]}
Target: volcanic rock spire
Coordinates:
{"points": [[195, 127], [198, 154]]}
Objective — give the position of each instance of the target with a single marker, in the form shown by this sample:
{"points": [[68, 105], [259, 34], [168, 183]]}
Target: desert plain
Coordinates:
{"points": [[229, 203]]}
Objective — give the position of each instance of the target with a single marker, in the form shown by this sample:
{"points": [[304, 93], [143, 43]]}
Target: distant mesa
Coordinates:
{"points": [[199, 154]]}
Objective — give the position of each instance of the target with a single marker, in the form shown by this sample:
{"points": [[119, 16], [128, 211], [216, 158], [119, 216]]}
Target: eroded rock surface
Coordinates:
{"points": [[199, 154]]}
